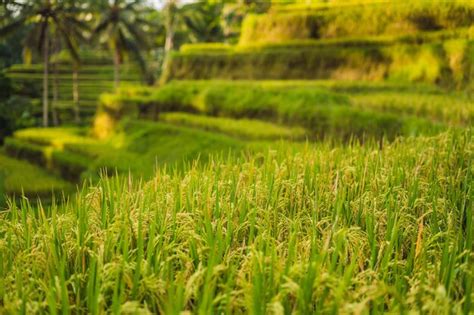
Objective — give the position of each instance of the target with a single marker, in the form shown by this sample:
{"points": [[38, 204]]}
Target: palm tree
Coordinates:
{"points": [[202, 20], [78, 30], [123, 29], [171, 17], [43, 19]]}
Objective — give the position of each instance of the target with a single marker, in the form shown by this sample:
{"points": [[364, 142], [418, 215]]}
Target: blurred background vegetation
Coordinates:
{"points": [[120, 80]]}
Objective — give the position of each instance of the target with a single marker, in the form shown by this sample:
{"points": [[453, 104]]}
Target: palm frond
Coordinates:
{"points": [[103, 24], [137, 34], [66, 35]]}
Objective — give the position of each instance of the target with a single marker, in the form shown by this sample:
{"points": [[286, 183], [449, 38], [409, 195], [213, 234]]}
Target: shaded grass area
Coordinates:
{"points": [[20, 177], [136, 148], [330, 230]]}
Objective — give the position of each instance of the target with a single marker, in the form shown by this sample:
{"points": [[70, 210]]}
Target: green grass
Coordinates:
{"points": [[452, 108], [146, 145], [241, 128], [421, 37], [379, 17], [20, 177], [350, 59], [329, 230], [137, 147], [316, 106]]}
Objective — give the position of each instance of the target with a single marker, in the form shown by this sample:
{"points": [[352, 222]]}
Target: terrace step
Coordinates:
{"points": [[22, 178]]}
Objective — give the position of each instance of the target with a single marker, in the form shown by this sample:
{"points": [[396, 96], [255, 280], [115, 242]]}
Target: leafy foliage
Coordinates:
{"points": [[124, 31]]}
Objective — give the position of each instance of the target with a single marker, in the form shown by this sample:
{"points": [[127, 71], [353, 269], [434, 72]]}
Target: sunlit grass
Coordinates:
{"points": [[329, 230], [243, 128]]}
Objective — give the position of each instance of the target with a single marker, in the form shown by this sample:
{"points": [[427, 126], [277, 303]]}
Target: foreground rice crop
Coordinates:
{"points": [[380, 227]]}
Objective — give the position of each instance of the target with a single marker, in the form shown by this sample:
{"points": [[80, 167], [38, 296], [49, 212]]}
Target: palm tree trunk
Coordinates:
{"points": [[45, 77], [116, 68], [75, 93], [169, 40], [54, 103]]}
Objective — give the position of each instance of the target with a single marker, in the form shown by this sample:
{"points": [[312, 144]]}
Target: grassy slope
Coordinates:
{"points": [[346, 229], [416, 41], [139, 147], [136, 147], [249, 129], [20, 176], [324, 108], [149, 144]]}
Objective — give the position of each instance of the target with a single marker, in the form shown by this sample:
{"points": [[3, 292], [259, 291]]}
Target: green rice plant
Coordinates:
{"points": [[206, 47], [310, 105], [46, 148], [137, 148], [455, 109], [442, 62], [70, 166], [385, 17], [241, 128], [373, 228], [302, 62], [346, 42], [56, 136]]}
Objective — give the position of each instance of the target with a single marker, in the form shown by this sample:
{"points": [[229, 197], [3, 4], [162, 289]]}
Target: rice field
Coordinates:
{"points": [[374, 228], [288, 159]]}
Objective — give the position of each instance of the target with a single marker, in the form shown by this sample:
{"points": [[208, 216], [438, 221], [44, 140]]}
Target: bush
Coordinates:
{"points": [[15, 111]]}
